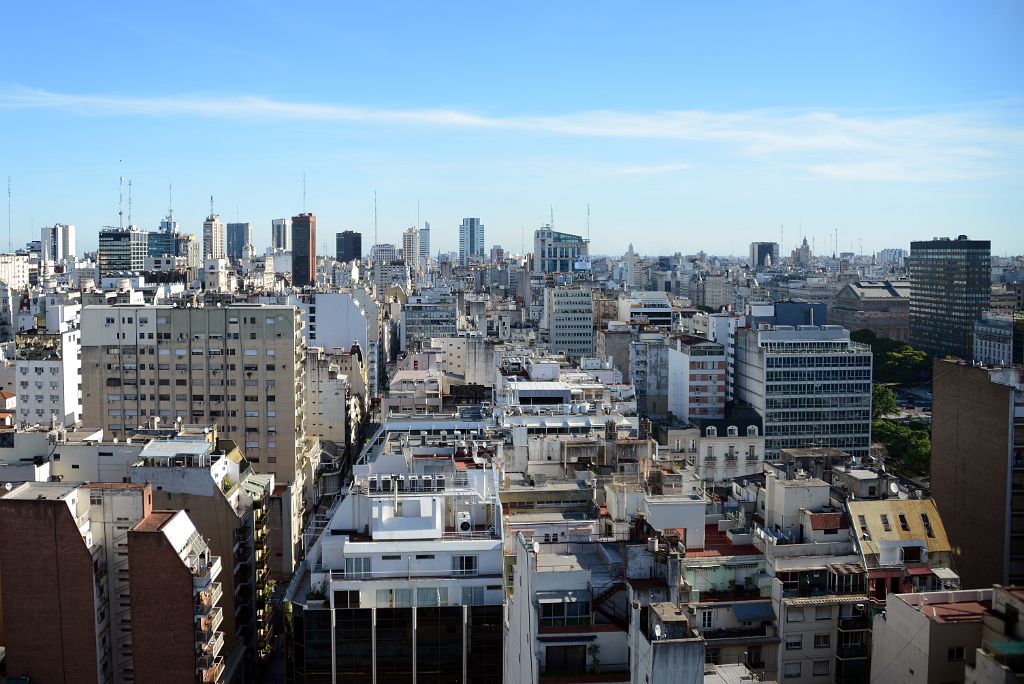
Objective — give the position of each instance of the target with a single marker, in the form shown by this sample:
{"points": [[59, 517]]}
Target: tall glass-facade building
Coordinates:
{"points": [[950, 287]]}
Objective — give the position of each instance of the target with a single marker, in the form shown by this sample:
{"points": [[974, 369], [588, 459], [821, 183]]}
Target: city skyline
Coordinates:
{"points": [[697, 128]]}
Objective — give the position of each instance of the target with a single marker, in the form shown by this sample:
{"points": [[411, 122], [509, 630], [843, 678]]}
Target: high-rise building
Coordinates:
{"points": [[432, 313], [555, 252], [214, 238], [239, 240], [58, 242], [348, 246], [950, 286], [891, 256], [47, 369], [384, 252], [121, 250], [569, 319], [811, 384], [280, 234], [425, 245], [411, 248], [471, 241], [240, 366], [304, 250], [761, 252], [976, 465]]}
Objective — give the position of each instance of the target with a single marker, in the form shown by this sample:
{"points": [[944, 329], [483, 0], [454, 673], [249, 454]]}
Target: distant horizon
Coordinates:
{"points": [[682, 128]]}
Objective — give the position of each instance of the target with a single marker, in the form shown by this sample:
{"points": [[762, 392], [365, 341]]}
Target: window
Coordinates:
{"points": [[564, 613], [707, 619], [955, 654], [346, 599], [795, 615], [472, 596], [794, 642], [822, 640], [424, 556], [820, 667], [464, 565], [903, 523], [823, 613], [391, 557], [792, 671], [357, 567], [885, 523], [432, 596]]}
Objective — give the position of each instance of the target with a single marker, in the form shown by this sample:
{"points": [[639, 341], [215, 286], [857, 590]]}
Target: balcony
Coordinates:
{"points": [[723, 637], [210, 646], [208, 598], [854, 623], [205, 572], [852, 651], [210, 669]]}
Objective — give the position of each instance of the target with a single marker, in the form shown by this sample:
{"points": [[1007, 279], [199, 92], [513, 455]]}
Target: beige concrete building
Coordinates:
{"points": [[241, 367]]}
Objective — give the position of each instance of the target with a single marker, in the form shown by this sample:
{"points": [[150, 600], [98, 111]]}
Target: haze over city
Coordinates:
{"points": [[684, 128]]}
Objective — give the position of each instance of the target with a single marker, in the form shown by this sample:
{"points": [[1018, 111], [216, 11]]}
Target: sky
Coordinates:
{"points": [[683, 126]]}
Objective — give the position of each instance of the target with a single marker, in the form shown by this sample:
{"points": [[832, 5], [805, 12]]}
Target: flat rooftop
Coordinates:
{"points": [[41, 491]]}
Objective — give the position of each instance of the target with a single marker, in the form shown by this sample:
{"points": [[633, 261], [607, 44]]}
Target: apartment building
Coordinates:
{"points": [[431, 313], [682, 375], [327, 397], [978, 455], [115, 608], [47, 366], [241, 366], [999, 339], [646, 308], [280, 234], [720, 450], [929, 637], [214, 238], [811, 385], [404, 578], [569, 321]]}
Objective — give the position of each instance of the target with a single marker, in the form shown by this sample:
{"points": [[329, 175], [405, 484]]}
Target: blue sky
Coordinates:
{"points": [[685, 126]]}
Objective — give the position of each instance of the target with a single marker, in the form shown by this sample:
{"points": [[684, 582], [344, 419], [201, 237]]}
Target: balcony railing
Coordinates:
{"points": [[854, 623], [211, 669], [204, 573], [851, 651]]}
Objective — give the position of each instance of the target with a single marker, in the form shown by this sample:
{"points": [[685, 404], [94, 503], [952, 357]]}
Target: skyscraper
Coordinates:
{"points": [[425, 244], [471, 241], [121, 250], [239, 237], [411, 248], [760, 252], [281, 232], [555, 252], [214, 239], [950, 286], [348, 246], [304, 250], [58, 242]]}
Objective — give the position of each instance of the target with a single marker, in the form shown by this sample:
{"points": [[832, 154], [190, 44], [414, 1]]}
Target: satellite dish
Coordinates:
{"points": [[894, 488], [8, 486], [657, 631]]}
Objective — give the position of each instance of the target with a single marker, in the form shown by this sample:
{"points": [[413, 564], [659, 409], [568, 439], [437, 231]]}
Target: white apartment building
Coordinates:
{"points": [[280, 238], [327, 390], [47, 369], [993, 339], [384, 252], [811, 384], [569, 320], [405, 573], [411, 248], [646, 308], [14, 270], [214, 238]]}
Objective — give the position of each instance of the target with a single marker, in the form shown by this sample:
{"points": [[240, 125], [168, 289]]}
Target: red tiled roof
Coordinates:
{"points": [[828, 521]]}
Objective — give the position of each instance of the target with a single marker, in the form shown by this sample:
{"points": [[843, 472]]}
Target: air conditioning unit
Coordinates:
{"points": [[463, 522]]}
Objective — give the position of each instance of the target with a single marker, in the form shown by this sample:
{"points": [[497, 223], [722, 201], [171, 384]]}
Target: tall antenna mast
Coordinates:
{"points": [[8, 213], [129, 202], [211, 206], [120, 202], [303, 192], [375, 217], [552, 215], [170, 206], [417, 213], [588, 221]]}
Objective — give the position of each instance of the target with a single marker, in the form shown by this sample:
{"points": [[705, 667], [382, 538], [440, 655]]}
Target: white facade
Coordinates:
{"points": [[993, 339], [214, 238], [326, 397], [14, 270], [569, 320], [280, 234], [471, 241]]}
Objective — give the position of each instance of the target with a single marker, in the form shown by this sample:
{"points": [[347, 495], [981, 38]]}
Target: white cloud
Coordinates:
{"points": [[881, 146]]}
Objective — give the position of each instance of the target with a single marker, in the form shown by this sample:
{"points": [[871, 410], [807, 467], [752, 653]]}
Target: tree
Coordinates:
{"points": [[883, 402]]}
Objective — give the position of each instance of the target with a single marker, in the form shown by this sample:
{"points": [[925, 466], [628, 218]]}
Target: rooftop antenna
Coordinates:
{"points": [[782, 236], [170, 206], [8, 213], [375, 217], [588, 221], [129, 202], [211, 206], [552, 215], [120, 202], [417, 213], [303, 192]]}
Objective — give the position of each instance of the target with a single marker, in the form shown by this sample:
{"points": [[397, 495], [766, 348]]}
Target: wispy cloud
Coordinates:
{"points": [[879, 147], [651, 169]]}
